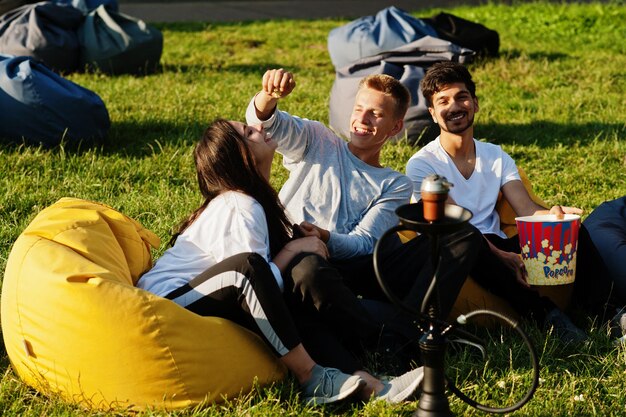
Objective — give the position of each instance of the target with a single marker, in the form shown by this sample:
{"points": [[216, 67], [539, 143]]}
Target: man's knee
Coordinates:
{"points": [[467, 241], [307, 272]]}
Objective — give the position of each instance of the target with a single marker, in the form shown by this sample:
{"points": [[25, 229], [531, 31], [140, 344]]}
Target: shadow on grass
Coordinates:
{"points": [[533, 56], [194, 27], [252, 69], [140, 138], [547, 134]]}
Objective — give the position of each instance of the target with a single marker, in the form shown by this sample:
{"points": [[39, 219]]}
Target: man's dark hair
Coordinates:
{"points": [[443, 74]]}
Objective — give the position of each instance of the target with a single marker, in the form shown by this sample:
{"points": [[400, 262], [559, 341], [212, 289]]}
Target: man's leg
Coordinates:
{"points": [[327, 313], [408, 269], [491, 274]]}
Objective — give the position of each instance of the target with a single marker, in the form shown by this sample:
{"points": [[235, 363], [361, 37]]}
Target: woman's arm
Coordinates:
{"points": [[311, 244]]}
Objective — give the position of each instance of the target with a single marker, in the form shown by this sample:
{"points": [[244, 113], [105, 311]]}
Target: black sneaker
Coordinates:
{"points": [[563, 327]]}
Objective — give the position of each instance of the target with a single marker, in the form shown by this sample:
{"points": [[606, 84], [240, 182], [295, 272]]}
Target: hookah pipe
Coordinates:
{"points": [[434, 217]]}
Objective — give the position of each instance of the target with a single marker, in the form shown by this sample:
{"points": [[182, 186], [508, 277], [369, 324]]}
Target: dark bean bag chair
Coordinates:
{"points": [[115, 43], [607, 228], [38, 106], [371, 35], [465, 33], [45, 31]]}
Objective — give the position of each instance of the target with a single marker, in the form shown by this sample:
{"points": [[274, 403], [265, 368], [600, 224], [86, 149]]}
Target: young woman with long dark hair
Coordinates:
{"points": [[231, 256]]}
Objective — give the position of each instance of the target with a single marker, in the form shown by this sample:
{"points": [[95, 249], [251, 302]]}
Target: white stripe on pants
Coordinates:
{"points": [[237, 280]]}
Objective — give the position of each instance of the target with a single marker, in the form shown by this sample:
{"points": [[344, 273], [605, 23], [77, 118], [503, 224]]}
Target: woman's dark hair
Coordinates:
{"points": [[224, 163], [443, 74]]}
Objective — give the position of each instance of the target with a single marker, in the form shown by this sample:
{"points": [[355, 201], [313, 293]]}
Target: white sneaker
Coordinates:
{"points": [[328, 385], [401, 387]]}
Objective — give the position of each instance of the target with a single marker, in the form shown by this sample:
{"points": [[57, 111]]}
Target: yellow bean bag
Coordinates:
{"points": [[74, 324]]}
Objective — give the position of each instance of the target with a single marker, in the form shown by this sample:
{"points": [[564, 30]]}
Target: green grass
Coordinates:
{"points": [[554, 100]]}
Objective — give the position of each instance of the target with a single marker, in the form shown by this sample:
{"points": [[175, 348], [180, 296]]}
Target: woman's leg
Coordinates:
{"points": [[242, 289], [327, 311]]}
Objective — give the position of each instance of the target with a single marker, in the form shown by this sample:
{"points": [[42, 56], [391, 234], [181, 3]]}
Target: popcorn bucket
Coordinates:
{"points": [[549, 248]]}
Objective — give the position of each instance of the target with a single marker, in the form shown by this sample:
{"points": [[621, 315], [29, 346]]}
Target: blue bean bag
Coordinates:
{"points": [[38, 106], [607, 228], [371, 35], [45, 31]]}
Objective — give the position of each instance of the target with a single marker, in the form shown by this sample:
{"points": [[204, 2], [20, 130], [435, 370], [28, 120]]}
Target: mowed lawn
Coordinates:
{"points": [[554, 99]]}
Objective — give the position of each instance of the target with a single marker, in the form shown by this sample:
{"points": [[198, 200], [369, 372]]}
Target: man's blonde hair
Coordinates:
{"points": [[388, 85]]}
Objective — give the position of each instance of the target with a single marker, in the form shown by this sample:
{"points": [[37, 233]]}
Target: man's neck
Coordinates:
{"points": [[370, 157], [458, 145], [461, 149]]}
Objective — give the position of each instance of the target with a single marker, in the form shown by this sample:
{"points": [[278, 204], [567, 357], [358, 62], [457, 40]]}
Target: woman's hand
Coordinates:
{"points": [[311, 244]]}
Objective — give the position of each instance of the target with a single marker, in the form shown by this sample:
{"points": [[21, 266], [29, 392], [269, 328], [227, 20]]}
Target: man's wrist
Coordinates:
{"points": [[325, 235]]}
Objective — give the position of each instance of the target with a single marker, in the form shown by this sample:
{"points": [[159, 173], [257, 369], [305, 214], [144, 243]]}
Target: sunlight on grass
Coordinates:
{"points": [[554, 100]]}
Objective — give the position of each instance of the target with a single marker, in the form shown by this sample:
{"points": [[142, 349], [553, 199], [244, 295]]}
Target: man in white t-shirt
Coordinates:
{"points": [[479, 171]]}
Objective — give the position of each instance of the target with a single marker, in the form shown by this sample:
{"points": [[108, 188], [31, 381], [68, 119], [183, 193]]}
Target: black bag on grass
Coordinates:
{"points": [[477, 37], [407, 64]]}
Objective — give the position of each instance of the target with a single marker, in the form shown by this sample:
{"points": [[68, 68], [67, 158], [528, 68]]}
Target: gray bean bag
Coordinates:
{"points": [[370, 35], [45, 31], [115, 43], [38, 106], [407, 64]]}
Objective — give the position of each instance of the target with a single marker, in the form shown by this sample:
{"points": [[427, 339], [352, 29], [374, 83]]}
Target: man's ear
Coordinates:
{"points": [[432, 114], [476, 106], [397, 127]]}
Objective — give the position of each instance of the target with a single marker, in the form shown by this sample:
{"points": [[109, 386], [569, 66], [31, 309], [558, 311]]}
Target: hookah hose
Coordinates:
{"points": [[462, 319]]}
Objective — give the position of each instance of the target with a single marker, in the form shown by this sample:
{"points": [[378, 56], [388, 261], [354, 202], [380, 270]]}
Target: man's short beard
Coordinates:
{"points": [[470, 123]]}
